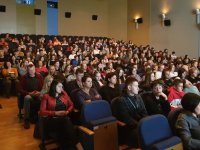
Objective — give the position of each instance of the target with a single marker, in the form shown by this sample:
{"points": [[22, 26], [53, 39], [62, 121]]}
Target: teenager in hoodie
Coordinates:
{"points": [[175, 94]]}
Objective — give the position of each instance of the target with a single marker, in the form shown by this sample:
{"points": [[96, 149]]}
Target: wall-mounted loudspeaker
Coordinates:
{"points": [[68, 14], [140, 20], [167, 22], [94, 17], [2, 8], [37, 11]]}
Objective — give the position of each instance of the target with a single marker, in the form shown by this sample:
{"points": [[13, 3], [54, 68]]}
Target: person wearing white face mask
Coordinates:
{"points": [[188, 122]]}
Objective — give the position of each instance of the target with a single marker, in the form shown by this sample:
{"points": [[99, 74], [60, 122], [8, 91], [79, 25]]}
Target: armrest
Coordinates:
{"points": [[120, 123], [86, 130]]}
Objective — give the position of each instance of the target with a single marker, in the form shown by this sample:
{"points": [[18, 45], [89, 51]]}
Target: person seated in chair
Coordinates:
{"points": [[188, 122], [57, 105], [131, 109], [29, 87], [156, 102], [111, 89], [75, 84], [10, 75], [87, 93]]}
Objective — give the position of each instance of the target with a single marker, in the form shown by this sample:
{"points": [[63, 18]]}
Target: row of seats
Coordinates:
{"points": [[35, 37], [98, 130]]}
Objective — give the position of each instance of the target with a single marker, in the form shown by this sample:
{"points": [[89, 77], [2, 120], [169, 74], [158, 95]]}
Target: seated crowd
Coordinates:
{"points": [[56, 76]]}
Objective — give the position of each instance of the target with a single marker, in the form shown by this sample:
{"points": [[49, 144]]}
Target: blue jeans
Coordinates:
{"points": [[31, 105]]}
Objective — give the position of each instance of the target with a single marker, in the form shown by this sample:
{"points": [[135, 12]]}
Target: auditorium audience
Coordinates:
{"points": [[69, 58]]}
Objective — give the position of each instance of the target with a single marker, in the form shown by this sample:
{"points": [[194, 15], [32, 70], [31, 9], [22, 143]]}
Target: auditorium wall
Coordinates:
{"points": [[182, 36]]}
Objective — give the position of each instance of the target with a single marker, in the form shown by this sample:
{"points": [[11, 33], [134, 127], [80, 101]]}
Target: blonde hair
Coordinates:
{"points": [[45, 87]]}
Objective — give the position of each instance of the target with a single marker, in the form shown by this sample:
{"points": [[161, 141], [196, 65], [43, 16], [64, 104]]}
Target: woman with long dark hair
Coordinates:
{"points": [[57, 105]]}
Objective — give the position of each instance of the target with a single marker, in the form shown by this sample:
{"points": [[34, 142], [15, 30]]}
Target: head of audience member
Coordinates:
{"points": [[111, 79], [134, 71], [131, 86], [166, 74], [79, 74], [178, 85], [40, 63], [194, 63], [57, 65], [97, 76], [119, 72], [8, 64], [31, 70], [52, 70], [193, 72], [182, 73], [47, 83], [157, 87], [187, 84], [149, 76], [87, 82], [191, 102], [56, 88]]}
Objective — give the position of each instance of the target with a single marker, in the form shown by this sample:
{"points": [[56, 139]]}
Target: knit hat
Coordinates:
{"points": [[190, 101]]}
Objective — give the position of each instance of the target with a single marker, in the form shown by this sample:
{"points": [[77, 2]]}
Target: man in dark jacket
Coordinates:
{"points": [[131, 109], [29, 87]]}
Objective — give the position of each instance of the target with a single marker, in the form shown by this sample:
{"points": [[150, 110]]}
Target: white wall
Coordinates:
{"points": [[8, 19], [117, 19], [81, 22], [137, 9], [183, 34]]}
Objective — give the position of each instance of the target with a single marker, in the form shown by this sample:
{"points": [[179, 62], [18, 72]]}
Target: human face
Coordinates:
{"points": [[195, 73], [157, 89], [88, 83], [79, 76], [8, 64], [121, 72], [134, 71], [152, 77], [40, 64], [59, 88], [49, 82], [52, 70], [98, 76], [31, 71], [113, 79], [167, 74], [179, 87], [197, 110], [133, 88]]}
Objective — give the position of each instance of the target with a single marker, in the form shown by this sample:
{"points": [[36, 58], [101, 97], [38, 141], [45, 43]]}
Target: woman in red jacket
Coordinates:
{"points": [[57, 105]]}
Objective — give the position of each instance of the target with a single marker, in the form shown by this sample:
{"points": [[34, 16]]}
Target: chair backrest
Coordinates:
{"points": [[114, 105], [95, 110], [172, 117], [153, 129]]}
